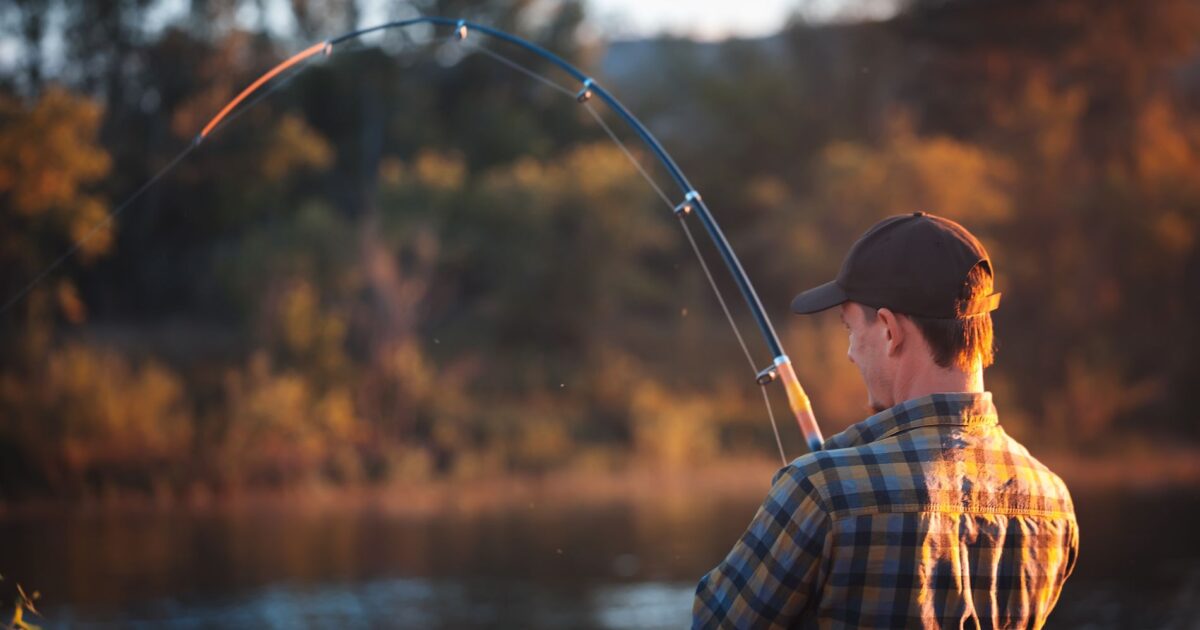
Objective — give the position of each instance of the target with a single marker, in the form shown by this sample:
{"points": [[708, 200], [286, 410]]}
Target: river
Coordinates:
{"points": [[613, 565]]}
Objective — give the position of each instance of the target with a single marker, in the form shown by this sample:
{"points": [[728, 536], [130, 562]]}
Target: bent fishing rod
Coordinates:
{"points": [[690, 202]]}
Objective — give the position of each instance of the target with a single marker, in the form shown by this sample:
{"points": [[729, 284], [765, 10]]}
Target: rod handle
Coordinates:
{"points": [[801, 406]]}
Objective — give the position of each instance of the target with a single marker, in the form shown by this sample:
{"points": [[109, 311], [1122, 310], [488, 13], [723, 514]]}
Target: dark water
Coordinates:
{"points": [[539, 566]]}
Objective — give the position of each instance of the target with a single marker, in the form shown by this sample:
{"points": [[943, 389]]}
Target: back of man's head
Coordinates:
{"points": [[965, 342], [929, 269]]}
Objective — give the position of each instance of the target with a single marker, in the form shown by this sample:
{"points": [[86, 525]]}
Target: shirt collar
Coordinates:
{"points": [[956, 409]]}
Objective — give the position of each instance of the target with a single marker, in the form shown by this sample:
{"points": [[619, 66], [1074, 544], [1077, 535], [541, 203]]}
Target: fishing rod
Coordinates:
{"points": [[690, 203]]}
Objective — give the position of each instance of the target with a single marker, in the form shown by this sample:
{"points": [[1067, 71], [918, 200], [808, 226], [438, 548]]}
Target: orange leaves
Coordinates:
{"points": [[440, 171], [1167, 145], [672, 429], [49, 157], [280, 426], [294, 146], [49, 152], [937, 174], [69, 302], [93, 407]]}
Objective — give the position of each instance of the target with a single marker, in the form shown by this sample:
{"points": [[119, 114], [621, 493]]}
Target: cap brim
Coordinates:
{"points": [[819, 298]]}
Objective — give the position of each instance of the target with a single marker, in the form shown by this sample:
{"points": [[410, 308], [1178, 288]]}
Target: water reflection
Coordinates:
{"points": [[533, 566], [416, 603]]}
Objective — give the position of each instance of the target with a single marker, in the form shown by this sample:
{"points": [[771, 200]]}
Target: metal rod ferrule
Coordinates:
{"points": [[767, 375], [585, 93]]}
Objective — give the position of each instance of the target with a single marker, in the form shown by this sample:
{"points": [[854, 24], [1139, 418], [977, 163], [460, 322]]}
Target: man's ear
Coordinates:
{"points": [[893, 330]]}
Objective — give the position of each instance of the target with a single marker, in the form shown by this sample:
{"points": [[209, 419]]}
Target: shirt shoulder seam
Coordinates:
{"points": [[946, 508]]}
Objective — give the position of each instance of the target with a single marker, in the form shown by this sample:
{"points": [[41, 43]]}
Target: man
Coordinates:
{"points": [[925, 514]]}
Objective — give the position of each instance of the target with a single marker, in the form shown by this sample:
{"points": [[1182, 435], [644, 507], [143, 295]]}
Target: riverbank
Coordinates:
{"points": [[715, 480]]}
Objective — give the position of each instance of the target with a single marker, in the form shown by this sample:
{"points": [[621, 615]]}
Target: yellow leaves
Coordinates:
{"points": [[672, 430], [962, 181], [410, 371], [90, 226], [49, 156], [335, 413], [440, 171], [23, 603], [299, 317], [595, 181], [543, 440], [1045, 116], [49, 152], [908, 173], [281, 425], [1167, 148], [297, 324], [111, 410], [391, 171], [432, 170], [588, 172], [69, 304], [768, 192], [597, 169], [269, 414], [294, 146]]}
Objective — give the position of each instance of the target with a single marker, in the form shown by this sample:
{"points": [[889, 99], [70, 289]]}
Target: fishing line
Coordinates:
{"points": [[108, 219], [670, 206], [547, 81], [736, 332], [780, 369], [703, 265], [116, 212], [632, 159]]}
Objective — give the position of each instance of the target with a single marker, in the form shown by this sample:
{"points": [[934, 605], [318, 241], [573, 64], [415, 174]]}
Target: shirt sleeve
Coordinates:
{"points": [[775, 570]]}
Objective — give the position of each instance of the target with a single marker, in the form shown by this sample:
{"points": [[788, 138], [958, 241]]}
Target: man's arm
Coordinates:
{"points": [[774, 571]]}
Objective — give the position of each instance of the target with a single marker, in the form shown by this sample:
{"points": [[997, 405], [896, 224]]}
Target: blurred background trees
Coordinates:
{"points": [[412, 262]]}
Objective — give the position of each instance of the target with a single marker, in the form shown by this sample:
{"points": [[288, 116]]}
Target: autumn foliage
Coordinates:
{"points": [[410, 263]]}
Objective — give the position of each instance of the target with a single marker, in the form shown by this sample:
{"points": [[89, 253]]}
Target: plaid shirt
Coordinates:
{"points": [[924, 515]]}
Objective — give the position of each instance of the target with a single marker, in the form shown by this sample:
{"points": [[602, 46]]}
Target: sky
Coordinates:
{"points": [[698, 19], [718, 19], [609, 19]]}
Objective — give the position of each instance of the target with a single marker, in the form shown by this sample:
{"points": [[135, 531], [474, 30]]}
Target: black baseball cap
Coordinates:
{"points": [[915, 264]]}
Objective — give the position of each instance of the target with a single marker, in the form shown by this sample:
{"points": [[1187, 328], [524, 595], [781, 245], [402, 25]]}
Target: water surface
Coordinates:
{"points": [[533, 566]]}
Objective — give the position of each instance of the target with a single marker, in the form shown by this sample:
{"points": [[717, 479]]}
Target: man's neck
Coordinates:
{"points": [[938, 380]]}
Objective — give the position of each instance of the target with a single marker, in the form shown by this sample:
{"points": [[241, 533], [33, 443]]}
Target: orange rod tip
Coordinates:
{"points": [[287, 63]]}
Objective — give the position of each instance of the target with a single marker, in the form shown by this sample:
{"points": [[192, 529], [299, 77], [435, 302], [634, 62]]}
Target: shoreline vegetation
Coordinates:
{"points": [[736, 479], [419, 281]]}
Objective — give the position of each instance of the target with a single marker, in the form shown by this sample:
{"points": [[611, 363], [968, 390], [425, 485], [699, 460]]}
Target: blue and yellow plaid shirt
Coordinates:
{"points": [[924, 515]]}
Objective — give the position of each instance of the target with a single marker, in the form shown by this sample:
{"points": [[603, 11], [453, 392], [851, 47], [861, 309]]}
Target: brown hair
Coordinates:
{"points": [[962, 341]]}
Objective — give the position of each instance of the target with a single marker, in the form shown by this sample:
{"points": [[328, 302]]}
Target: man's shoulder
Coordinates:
{"points": [[917, 473], [1037, 478], [852, 477]]}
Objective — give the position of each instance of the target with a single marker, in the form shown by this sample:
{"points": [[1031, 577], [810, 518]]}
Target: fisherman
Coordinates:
{"points": [[926, 514]]}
